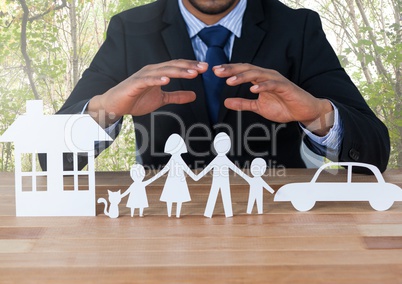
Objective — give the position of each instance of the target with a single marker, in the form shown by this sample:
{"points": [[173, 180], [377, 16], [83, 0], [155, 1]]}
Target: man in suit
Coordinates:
{"points": [[283, 85]]}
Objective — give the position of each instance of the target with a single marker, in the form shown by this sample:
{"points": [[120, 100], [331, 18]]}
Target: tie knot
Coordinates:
{"points": [[214, 36]]}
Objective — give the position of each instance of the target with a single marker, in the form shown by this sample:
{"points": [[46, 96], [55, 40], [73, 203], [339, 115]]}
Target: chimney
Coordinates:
{"points": [[34, 108]]}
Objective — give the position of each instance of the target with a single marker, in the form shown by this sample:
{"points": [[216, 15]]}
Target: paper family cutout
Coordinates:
{"points": [[176, 189], [58, 135]]}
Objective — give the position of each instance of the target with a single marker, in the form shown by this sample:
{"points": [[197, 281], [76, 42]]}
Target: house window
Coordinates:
{"points": [[75, 179], [32, 176]]}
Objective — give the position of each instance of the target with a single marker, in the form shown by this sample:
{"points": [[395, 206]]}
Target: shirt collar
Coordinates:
{"points": [[232, 21]]}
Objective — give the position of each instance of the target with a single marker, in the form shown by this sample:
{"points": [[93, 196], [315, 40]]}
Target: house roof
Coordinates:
{"points": [[43, 133]]}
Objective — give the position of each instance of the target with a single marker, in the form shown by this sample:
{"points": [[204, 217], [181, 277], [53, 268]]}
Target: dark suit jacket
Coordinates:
{"points": [[273, 36]]}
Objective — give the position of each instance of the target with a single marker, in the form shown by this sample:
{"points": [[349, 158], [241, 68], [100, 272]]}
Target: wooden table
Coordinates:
{"points": [[337, 242]]}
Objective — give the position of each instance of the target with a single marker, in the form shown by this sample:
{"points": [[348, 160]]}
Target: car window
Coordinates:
{"points": [[332, 175], [363, 177]]}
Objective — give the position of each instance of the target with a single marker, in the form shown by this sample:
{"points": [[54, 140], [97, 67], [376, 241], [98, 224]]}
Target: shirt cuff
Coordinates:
{"points": [[330, 143], [109, 130]]}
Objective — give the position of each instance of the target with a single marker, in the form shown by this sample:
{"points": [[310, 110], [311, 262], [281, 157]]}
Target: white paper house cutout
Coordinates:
{"points": [[54, 135]]}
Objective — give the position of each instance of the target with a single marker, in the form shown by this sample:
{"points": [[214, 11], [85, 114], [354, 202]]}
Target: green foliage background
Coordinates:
{"points": [[45, 60]]}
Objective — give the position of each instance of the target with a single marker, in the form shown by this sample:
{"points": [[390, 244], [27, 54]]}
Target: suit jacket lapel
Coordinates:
{"points": [[179, 46], [246, 47]]}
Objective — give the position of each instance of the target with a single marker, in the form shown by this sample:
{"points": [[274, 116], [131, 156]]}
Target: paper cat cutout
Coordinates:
{"points": [[114, 199]]}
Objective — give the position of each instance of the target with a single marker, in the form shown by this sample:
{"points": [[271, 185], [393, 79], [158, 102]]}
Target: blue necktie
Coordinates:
{"points": [[215, 38]]}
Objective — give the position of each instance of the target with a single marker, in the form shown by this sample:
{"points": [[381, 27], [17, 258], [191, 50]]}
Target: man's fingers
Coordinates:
{"points": [[182, 63], [239, 104], [226, 70], [160, 74], [240, 73], [178, 97], [175, 69], [271, 86]]}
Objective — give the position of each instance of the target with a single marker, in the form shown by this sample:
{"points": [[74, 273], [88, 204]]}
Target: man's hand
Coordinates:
{"points": [[141, 93], [279, 99]]}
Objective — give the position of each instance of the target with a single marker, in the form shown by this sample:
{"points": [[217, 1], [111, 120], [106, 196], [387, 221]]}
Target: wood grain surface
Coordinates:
{"points": [[335, 242]]}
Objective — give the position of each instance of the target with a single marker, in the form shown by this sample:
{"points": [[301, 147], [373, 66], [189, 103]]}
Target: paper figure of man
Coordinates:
{"points": [[220, 177]]}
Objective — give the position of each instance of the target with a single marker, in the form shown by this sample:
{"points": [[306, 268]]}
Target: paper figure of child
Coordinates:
{"points": [[220, 177], [257, 184], [175, 188], [137, 194]]}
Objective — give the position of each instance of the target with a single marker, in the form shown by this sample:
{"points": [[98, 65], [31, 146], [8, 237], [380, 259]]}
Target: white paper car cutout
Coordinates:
{"points": [[381, 195]]}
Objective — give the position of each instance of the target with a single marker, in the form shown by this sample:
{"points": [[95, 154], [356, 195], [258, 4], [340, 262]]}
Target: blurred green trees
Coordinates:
{"points": [[44, 48], [45, 45]]}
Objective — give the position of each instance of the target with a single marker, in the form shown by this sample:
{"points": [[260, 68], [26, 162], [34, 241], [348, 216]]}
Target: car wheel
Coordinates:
{"points": [[303, 205], [381, 204]]}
